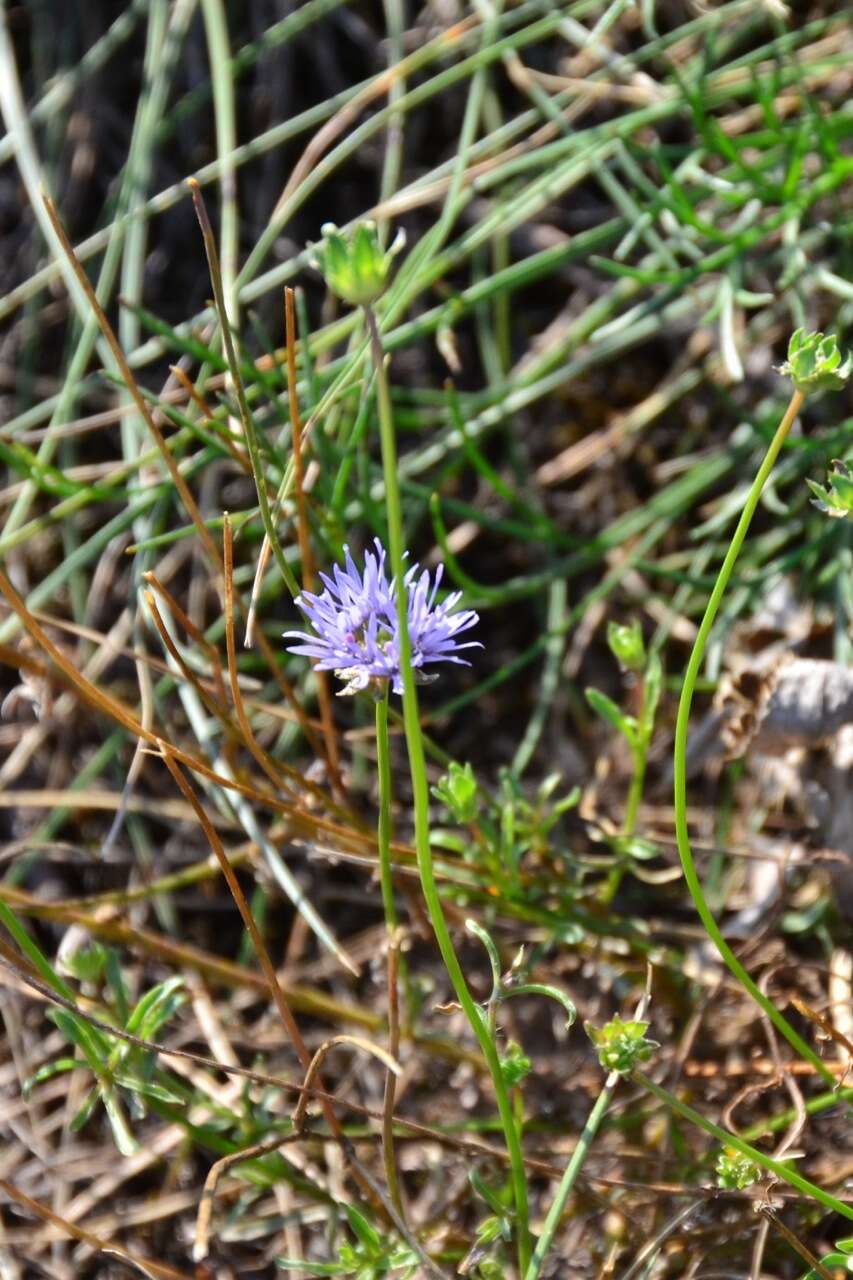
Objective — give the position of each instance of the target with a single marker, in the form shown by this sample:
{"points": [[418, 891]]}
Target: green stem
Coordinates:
{"points": [[420, 789], [383, 834], [573, 1168], [680, 750], [635, 794], [777, 1167], [639, 757]]}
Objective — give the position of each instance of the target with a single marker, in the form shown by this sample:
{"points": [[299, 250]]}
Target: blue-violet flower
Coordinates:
{"points": [[355, 630]]}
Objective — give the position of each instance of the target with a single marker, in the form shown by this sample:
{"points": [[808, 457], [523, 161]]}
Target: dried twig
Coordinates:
{"points": [[133, 387], [306, 555], [147, 1266]]}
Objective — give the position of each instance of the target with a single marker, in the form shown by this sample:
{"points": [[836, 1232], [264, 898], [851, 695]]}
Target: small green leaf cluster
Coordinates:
{"points": [[123, 1071], [371, 1257], [636, 731], [526, 825], [626, 644], [837, 499], [355, 265], [621, 1046], [515, 1065], [815, 362], [735, 1171], [486, 1260], [503, 834], [457, 791]]}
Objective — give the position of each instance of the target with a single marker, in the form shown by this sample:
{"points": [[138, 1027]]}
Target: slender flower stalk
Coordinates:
{"points": [[372, 647], [420, 788], [621, 1047], [694, 884], [815, 363], [567, 1182]]}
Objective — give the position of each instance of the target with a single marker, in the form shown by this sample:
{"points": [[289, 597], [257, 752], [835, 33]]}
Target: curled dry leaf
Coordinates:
{"points": [[789, 702]]}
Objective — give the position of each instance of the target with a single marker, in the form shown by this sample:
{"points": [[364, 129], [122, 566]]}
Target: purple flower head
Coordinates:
{"points": [[354, 625], [433, 628]]}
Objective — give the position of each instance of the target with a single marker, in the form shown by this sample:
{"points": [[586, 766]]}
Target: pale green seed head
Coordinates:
{"points": [[356, 266], [626, 644], [815, 362], [735, 1171], [621, 1046]]}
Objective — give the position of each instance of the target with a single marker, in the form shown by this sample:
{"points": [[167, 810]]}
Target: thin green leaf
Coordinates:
{"points": [[613, 715]]}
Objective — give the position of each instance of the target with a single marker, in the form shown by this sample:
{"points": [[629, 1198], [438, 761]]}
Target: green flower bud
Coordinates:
{"points": [[355, 264], [515, 1065], [457, 790], [621, 1045], [80, 956], [86, 963], [626, 644], [837, 500], [736, 1171], [489, 1269], [814, 362]]}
